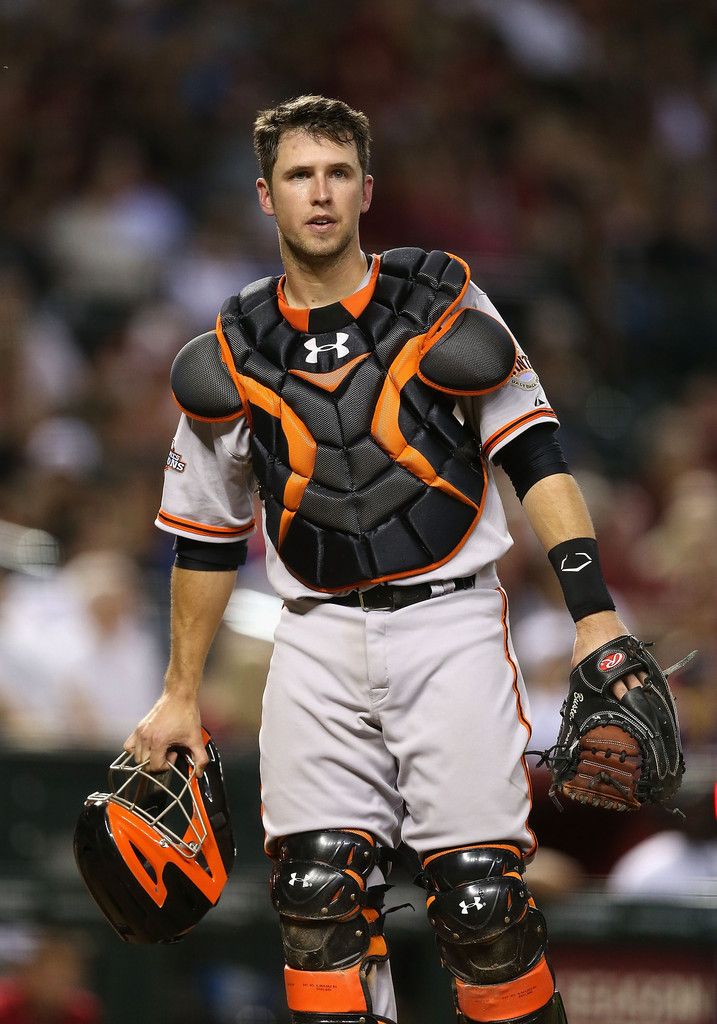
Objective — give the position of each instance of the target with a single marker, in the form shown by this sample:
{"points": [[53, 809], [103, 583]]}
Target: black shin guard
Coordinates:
{"points": [[491, 936], [331, 924]]}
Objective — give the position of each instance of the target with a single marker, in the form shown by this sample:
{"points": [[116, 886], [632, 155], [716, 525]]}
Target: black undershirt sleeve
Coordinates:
{"points": [[532, 455], [209, 557]]}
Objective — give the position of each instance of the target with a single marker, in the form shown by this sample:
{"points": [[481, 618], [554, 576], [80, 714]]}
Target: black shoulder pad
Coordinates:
{"points": [[201, 382], [475, 355]]}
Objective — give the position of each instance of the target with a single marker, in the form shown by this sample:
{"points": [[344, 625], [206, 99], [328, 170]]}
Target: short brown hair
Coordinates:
{"points": [[317, 115]]}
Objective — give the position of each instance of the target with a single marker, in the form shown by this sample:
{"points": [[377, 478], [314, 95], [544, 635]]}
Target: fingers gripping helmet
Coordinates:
{"points": [[155, 851]]}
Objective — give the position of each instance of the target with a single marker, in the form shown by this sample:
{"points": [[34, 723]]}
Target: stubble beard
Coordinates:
{"points": [[314, 258]]}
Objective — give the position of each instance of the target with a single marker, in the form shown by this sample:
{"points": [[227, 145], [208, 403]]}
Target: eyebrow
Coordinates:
{"points": [[339, 166]]}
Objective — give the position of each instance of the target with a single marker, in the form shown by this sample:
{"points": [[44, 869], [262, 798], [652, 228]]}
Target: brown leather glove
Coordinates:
{"points": [[613, 753]]}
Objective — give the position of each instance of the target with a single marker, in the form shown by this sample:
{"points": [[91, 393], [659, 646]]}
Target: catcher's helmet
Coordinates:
{"points": [[155, 851]]}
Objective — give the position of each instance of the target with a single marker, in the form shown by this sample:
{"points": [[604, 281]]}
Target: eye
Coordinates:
{"points": [[299, 174], [339, 173]]}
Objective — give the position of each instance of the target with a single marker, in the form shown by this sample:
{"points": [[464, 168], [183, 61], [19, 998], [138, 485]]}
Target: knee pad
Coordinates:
{"points": [[491, 936], [331, 923]]}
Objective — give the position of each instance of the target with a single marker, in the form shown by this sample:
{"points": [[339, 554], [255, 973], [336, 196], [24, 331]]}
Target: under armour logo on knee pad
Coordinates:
{"points": [[339, 348], [296, 878], [477, 903]]}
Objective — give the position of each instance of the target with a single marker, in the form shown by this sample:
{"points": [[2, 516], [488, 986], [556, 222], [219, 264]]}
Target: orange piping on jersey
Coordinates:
{"points": [[355, 304], [507, 1001], [509, 428], [325, 991], [228, 532], [330, 381], [475, 846], [519, 707], [432, 337]]}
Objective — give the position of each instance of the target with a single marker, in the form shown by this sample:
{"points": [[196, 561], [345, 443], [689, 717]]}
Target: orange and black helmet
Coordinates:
{"points": [[155, 852]]}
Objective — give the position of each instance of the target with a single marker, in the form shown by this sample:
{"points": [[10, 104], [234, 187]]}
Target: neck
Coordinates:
{"points": [[321, 281]]}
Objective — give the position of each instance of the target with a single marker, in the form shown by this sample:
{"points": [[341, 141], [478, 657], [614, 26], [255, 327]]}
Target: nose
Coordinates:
{"points": [[321, 193]]}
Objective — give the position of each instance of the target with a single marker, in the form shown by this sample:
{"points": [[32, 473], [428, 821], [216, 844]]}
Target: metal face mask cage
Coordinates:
{"points": [[155, 852], [174, 815]]}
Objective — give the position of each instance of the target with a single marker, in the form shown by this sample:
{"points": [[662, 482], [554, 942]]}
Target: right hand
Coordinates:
{"points": [[174, 721]]}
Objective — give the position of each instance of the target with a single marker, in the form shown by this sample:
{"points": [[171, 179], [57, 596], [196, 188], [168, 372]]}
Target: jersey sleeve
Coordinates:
{"points": [[513, 408], [208, 482]]}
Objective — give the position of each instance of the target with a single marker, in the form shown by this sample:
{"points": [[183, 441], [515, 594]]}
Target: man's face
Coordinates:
{"points": [[317, 194]]}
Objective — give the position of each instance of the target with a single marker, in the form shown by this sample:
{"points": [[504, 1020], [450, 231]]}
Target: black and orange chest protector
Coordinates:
{"points": [[365, 473]]}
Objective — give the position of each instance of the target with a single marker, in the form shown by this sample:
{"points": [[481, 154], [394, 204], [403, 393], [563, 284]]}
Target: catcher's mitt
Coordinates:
{"points": [[618, 754]]}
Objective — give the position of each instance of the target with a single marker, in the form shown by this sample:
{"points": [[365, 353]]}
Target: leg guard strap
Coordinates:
{"points": [[552, 1013], [512, 1000], [326, 992]]}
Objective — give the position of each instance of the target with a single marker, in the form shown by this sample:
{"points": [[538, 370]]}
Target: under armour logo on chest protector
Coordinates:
{"points": [[339, 347]]}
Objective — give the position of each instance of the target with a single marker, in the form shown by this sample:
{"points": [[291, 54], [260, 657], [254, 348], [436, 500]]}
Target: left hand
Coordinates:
{"points": [[595, 630]]}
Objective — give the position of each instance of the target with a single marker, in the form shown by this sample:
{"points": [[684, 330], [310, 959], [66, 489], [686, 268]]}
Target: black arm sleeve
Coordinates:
{"points": [[209, 557], [532, 455]]}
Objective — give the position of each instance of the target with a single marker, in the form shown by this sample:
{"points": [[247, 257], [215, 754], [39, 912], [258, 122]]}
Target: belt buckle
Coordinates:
{"points": [[366, 608]]}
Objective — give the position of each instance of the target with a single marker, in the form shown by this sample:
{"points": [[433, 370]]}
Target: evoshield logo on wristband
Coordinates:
{"points": [[585, 560]]}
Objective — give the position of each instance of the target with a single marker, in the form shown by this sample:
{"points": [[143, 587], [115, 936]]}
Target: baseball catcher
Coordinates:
{"points": [[618, 753]]}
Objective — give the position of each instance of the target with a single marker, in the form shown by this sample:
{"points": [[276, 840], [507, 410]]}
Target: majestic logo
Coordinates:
{"points": [[174, 461], [611, 660], [583, 557], [477, 903], [296, 879], [340, 348]]}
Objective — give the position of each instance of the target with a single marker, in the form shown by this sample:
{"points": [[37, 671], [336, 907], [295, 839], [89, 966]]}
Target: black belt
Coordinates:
{"points": [[385, 598]]}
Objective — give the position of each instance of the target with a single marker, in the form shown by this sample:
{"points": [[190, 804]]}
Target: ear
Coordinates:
{"points": [[264, 194], [367, 193]]}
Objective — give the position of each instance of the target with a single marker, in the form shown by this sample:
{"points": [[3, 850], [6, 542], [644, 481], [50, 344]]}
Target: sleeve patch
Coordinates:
{"points": [[174, 461], [524, 376]]}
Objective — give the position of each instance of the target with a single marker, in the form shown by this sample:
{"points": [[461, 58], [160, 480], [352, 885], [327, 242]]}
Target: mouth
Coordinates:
{"points": [[321, 224]]}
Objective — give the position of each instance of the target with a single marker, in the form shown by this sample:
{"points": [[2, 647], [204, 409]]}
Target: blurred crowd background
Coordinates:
{"points": [[566, 149]]}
